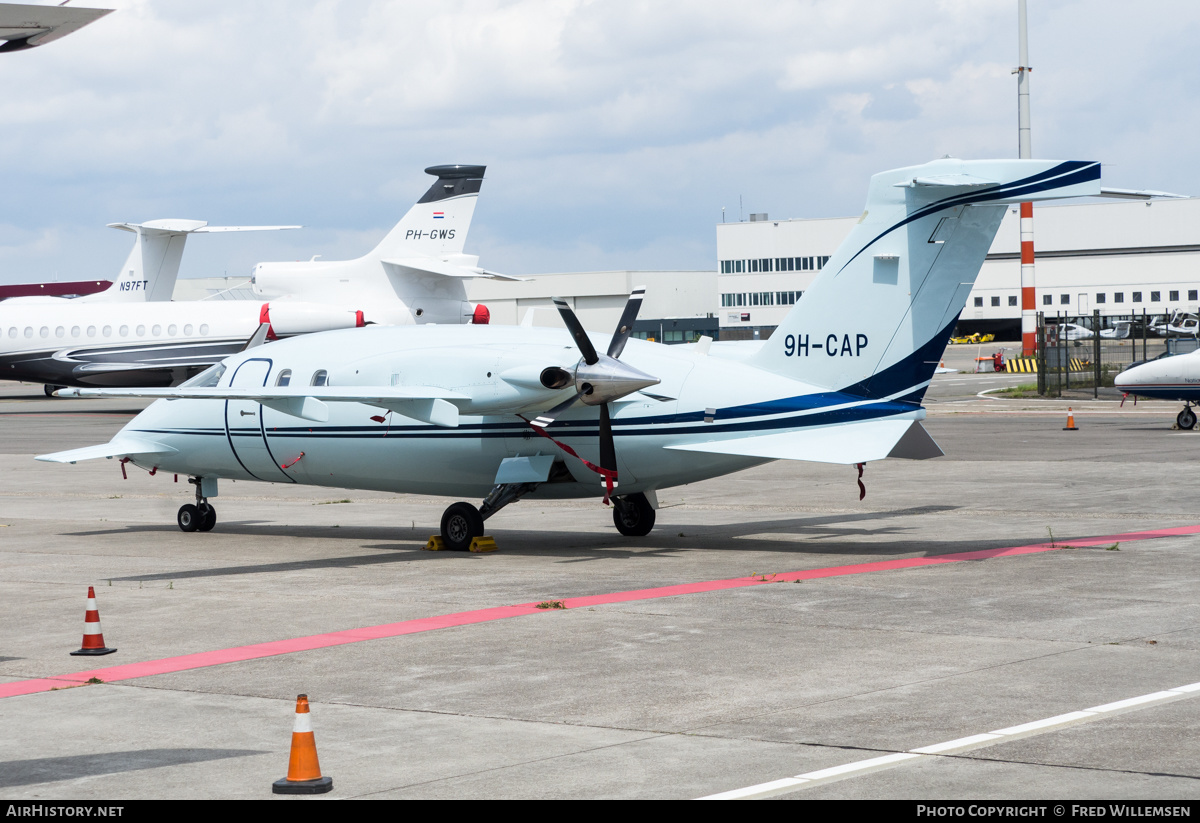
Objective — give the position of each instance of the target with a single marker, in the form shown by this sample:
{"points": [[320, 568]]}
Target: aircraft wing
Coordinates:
{"points": [[846, 444], [428, 404], [430, 265], [24, 26], [123, 446]]}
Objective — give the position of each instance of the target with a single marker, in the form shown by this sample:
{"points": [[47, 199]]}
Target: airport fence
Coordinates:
{"points": [[1082, 352]]}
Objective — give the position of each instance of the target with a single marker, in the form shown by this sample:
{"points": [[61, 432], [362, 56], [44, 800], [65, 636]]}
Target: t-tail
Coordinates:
{"points": [[150, 271], [437, 225], [875, 321]]}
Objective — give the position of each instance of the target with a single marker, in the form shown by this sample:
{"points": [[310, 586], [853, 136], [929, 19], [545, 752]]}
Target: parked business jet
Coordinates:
{"points": [[501, 413], [1166, 378], [415, 275]]}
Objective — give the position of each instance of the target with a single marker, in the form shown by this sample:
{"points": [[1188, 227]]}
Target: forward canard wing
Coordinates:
{"points": [[845, 444], [425, 403]]}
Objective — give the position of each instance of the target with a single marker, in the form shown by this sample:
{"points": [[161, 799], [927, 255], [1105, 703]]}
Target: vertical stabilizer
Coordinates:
{"points": [[437, 225], [877, 317], [150, 271]]}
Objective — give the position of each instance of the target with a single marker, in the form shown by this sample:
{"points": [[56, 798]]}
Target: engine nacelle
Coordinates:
{"points": [[288, 318]]}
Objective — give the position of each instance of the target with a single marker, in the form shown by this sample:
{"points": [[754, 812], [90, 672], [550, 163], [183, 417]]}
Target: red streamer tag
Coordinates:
{"points": [[609, 477]]}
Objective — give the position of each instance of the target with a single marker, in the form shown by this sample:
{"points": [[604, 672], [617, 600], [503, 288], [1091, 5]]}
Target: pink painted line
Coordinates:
{"points": [[168, 665]]}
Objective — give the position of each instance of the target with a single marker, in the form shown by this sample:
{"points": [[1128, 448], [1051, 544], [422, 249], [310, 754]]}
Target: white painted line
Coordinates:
{"points": [[961, 744], [1134, 701], [859, 767], [1042, 725]]}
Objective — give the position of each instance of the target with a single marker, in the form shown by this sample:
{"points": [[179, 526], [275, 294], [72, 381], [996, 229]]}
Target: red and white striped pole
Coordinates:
{"points": [[1028, 284], [1028, 280]]}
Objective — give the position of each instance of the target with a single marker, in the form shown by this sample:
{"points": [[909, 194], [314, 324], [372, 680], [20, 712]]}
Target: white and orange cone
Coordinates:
{"points": [[1070, 427], [93, 638], [304, 770]]}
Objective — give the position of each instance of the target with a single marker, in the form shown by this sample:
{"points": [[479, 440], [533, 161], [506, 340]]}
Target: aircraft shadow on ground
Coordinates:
{"points": [[54, 769], [576, 548]]}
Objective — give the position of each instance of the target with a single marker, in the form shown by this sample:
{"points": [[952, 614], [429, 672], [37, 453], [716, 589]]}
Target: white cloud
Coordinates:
{"points": [[614, 132]]}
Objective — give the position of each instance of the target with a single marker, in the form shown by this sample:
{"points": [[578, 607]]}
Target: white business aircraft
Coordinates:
{"points": [[1166, 378], [500, 413], [413, 276]]}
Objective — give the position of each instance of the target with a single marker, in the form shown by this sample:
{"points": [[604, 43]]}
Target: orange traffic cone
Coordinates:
{"points": [[1070, 427], [304, 771], [93, 638]]}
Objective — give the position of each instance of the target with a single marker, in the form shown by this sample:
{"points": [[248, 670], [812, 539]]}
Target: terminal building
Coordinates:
{"points": [[1121, 258]]}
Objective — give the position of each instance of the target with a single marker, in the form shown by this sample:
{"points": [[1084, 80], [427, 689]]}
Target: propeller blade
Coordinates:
{"points": [[608, 448], [625, 326], [577, 332], [547, 417]]}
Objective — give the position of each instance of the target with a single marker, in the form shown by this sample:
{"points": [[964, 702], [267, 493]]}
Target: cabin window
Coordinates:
{"points": [[187, 330], [45, 331], [108, 331], [204, 330], [124, 331], [156, 331], [74, 331], [29, 331], [320, 378], [12, 331], [141, 331], [172, 329], [205, 379], [91, 331], [285, 377], [60, 332]]}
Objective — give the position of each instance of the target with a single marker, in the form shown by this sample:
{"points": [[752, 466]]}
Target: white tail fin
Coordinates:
{"points": [[152, 267], [437, 225], [877, 317]]}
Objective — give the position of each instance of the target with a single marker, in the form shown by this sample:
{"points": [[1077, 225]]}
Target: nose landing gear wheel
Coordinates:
{"points": [[633, 515], [1186, 419], [461, 524], [188, 518]]}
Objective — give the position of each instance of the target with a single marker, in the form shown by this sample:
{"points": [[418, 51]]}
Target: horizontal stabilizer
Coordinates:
{"points": [[121, 447], [946, 180], [430, 265], [845, 444], [1139, 194]]}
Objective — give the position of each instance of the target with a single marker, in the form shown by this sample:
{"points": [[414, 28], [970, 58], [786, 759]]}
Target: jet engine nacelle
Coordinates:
{"points": [[287, 318]]}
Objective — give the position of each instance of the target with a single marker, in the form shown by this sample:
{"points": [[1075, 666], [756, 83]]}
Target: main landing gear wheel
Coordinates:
{"points": [[208, 517], [461, 524], [633, 515], [1186, 419], [188, 518]]}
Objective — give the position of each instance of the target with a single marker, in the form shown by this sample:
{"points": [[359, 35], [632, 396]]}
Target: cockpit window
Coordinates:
{"points": [[285, 378], [205, 379], [320, 378]]}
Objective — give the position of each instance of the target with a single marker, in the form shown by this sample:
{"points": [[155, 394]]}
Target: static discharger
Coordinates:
{"points": [[93, 637], [304, 770], [1070, 427]]}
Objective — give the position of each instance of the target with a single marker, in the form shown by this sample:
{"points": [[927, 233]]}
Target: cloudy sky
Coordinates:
{"points": [[614, 132]]}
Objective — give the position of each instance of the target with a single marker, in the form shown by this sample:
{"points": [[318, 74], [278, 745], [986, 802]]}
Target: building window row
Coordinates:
{"points": [[765, 264], [1101, 298], [760, 298]]}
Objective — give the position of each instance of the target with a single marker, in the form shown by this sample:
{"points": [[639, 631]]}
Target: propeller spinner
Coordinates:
{"points": [[601, 378]]}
